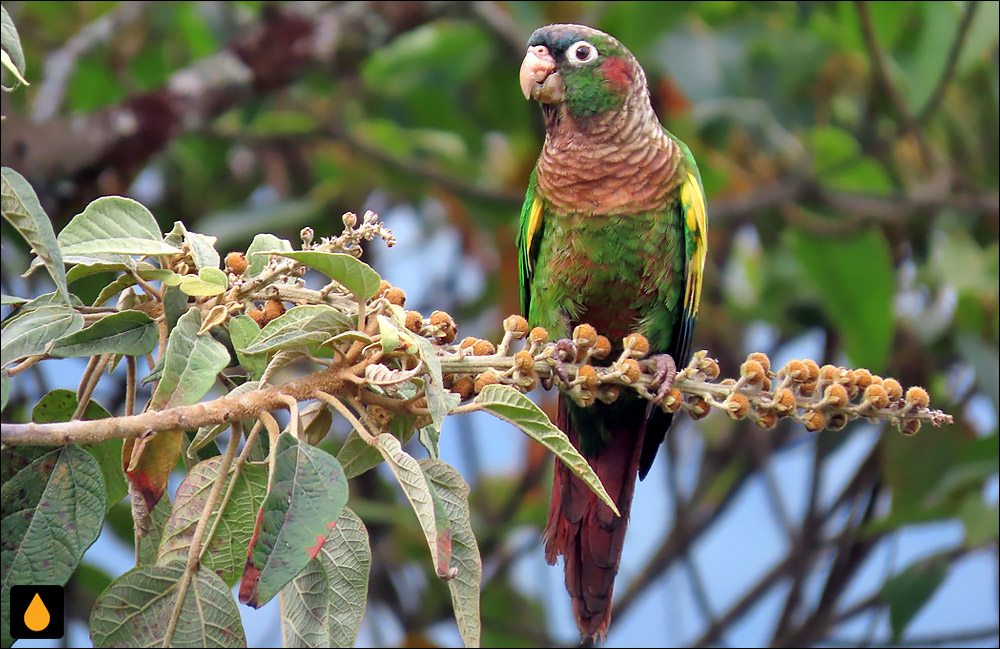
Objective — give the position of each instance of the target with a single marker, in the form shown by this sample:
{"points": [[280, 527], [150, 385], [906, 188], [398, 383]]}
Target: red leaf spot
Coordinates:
{"points": [[313, 551]]}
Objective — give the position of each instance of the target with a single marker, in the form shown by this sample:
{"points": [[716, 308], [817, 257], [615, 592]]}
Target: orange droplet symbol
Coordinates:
{"points": [[37, 616]]}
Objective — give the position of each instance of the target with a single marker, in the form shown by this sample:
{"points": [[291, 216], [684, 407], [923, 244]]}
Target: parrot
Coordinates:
{"points": [[613, 234]]}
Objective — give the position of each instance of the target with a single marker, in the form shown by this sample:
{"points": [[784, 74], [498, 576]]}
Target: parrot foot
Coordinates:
{"points": [[565, 352], [664, 372]]}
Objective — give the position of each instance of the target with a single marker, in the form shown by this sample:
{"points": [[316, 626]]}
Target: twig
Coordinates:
{"points": [[237, 469], [194, 551], [950, 638], [60, 64], [87, 388], [130, 385], [951, 63], [882, 79], [348, 415]]}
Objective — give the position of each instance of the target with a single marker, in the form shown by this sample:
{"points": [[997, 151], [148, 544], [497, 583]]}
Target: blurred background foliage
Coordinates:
{"points": [[850, 156]]}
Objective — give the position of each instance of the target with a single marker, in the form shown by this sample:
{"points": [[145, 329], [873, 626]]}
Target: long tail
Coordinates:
{"points": [[583, 529]]}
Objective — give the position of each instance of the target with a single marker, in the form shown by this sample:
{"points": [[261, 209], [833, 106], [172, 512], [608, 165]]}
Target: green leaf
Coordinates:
{"points": [[307, 494], [256, 261], [355, 275], [358, 456], [431, 515], [136, 610], [51, 511], [79, 271], [201, 247], [332, 589], [453, 492], [981, 521], [5, 388], [439, 400], [127, 332], [11, 45], [242, 330], [300, 326], [22, 210], [507, 403], [114, 225], [856, 283], [209, 281], [389, 333], [190, 364], [59, 405], [907, 592], [150, 543], [33, 332], [226, 551]]}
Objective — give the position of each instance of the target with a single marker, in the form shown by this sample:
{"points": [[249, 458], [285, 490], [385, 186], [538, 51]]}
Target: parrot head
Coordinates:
{"points": [[580, 69]]}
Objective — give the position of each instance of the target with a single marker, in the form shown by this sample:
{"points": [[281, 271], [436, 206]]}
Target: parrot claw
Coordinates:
{"points": [[565, 352], [665, 371]]}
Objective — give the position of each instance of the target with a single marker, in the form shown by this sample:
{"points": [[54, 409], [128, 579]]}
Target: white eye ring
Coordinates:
{"points": [[580, 53]]}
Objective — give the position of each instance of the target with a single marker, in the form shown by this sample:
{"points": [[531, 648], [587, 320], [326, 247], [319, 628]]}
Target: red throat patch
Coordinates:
{"points": [[617, 72]]}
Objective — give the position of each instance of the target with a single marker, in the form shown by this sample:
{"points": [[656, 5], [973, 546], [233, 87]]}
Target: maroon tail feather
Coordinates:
{"points": [[584, 530]]}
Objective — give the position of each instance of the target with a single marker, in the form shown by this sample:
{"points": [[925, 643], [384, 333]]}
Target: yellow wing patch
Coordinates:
{"points": [[534, 222], [696, 242]]}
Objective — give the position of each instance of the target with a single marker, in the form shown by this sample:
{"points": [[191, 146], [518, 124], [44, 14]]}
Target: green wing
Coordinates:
{"points": [[529, 231]]}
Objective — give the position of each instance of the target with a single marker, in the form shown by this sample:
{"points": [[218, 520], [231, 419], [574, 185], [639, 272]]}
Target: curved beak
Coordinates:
{"points": [[539, 78]]}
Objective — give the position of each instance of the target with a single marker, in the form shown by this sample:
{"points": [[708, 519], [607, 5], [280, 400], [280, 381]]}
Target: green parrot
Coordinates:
{"points": [[612, 234]]}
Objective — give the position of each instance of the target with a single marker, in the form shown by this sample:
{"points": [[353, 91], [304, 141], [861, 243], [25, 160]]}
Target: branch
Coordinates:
{"points": [[952, 62], [882, 80], [272, 53]]}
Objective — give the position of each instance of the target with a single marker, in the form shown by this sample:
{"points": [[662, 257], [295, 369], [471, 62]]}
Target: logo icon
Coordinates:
{"points": [[37, 612]]}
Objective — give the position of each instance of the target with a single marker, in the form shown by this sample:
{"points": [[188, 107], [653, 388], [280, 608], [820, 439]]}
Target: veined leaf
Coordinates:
{"points": [[453, 492], [262, 242], [358, 456], [242, 330], [21, 208], [33, 332], [300, 326], [114, 225], [510, 405], [51, 510], [323, 606], [127, 332], [431, 515], [226, 551], [136, 609], [60, 405], [307, 494], [353, 274]]}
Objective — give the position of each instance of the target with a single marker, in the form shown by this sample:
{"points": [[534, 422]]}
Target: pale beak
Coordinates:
{"points": [[538, 76]]}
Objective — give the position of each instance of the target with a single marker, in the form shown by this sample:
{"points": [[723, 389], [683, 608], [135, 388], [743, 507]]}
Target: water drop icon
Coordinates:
{"points": [[37, 617]]}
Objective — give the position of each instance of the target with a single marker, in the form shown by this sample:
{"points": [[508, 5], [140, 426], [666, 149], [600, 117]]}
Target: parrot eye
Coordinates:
{"points": [[581, 52]]}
